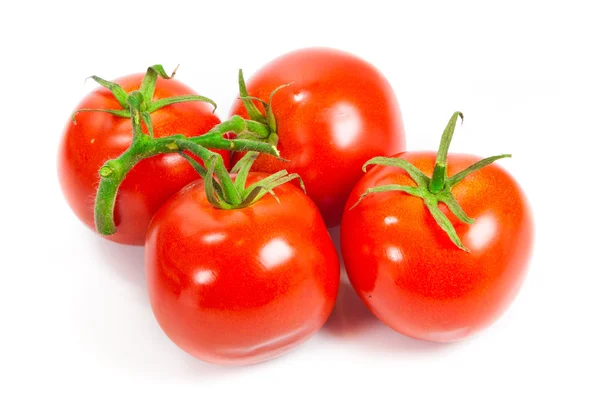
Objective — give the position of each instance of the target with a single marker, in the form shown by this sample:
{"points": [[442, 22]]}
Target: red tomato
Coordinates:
{"points": [[245, 285], [98, 137], [409, 273], [339, 113]]}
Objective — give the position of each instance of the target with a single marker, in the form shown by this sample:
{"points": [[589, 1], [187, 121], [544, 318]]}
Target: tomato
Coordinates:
{"points": [[412, 276], [244, 285], [98, 137], [339, 112]]}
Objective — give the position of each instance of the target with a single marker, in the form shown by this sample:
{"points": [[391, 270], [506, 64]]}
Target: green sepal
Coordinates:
{"points": [[266, 186], [456, 178], [253, 112], [253, 98], [448, 199], [271, 122], [195, 164], [242, 168], [148, 122], [414, 191], [255, 194], [160, 103], [117, 91], [436, 189], [264, 182], [416, 175], [201, 171], [148, 84], [209, 185], [118, 113], [432, 205]]}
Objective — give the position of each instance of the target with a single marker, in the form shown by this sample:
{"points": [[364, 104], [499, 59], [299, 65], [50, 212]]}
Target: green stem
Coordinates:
{"points": [[438, 180], [250, 135], [114, 171], [230, 194], [239, 126]]}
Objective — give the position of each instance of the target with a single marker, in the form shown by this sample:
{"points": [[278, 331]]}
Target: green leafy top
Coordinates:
{"points": [[436, 189]]}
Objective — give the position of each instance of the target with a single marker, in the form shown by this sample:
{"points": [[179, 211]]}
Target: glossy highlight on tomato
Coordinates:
{"points": [[97, 137], [412, 276], [338, 112], [244, 285]]}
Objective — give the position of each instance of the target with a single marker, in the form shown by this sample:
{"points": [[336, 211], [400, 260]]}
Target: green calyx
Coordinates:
{"points": [[438, 188], [253, 112], [226, 193], [144, 96]]}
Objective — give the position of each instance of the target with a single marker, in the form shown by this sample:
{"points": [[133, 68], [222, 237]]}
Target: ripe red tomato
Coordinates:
{"points": [[339, 112], [98, 137], [407, 270], [245, 285]]}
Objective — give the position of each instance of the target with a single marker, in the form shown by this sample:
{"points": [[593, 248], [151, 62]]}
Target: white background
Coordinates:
{"points": [[74, 315]]}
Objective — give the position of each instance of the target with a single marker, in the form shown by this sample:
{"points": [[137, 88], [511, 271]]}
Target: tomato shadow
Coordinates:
{"points": [[352, 321], [127, 263], [350, 316], [334, 233]]}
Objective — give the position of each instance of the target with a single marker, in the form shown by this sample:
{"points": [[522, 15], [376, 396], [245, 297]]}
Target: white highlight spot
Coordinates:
{"points": [[299, 96], [347, 124], [389, 220], [394, 254], [214, 238], [275, 253], [92, 141], [482, 232], [204, 277]]}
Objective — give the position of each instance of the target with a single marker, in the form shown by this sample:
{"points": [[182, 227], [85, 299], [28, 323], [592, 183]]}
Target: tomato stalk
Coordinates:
{"points": [[218, 191], [113, 172], [147, 105], [438, 188], [438, 179], [248, 135], [253, 112]]}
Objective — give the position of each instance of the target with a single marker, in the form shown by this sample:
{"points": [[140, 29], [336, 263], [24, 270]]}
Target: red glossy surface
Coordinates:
{"points": [[409, 273], [339, 113], [98, 137], [240, 286]]}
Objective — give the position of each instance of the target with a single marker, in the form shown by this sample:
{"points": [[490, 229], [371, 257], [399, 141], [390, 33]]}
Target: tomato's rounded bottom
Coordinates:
{"points": [[120, 238], [236, 340], [245, 358], [438, 325], [450, 336]]}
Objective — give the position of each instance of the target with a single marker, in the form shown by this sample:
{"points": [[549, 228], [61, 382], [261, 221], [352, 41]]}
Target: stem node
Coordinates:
{"points": [[172, 146], [105, 171]]}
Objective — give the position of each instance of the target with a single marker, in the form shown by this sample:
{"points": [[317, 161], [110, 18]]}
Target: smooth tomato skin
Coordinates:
{"points": [[240, 286], [408, 272], [339, 112], [98, 137]]}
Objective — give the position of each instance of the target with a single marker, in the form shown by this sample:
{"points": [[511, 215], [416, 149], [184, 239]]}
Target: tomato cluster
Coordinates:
{"points": [[239, 262]]}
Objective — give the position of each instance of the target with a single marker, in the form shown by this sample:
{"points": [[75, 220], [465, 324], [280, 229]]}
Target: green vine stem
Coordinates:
{"points": [[254, 135], [438, 188], [114, 171], [234, 134]]}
